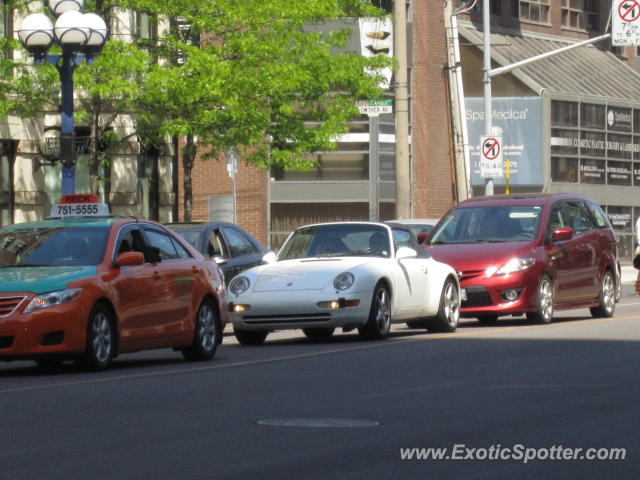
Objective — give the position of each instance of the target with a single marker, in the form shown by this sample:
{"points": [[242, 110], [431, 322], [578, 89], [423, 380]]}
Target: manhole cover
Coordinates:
{"points": [[318, 422]]}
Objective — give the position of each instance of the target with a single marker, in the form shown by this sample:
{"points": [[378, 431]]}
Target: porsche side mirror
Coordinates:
{"points": [[269, 257], [406, 252]]}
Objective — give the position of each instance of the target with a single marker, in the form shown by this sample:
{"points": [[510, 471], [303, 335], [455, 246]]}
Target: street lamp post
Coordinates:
{"points": [[81, 37]]}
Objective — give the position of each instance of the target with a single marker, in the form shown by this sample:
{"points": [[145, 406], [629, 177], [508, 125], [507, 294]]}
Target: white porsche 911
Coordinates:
{"points": [[345, 274]]}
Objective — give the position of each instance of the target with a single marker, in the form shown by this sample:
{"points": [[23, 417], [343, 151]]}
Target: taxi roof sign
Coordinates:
{"points": [[79, 198], [80, 205]]}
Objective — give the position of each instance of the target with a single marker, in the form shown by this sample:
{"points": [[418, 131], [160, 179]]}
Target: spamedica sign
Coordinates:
{"points": [[519, 121]]}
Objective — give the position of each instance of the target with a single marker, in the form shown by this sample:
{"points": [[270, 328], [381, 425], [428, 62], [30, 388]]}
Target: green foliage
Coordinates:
{"points": [[268, 76]]}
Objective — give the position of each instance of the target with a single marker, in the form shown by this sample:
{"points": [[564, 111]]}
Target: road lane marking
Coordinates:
{"points": [[391, 341]]}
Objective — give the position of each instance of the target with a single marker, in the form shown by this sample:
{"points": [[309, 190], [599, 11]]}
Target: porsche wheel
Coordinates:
{"points": [[206, 335], [379, 321], [449, 310], [606, 298], [545, 302], [250, 337]]}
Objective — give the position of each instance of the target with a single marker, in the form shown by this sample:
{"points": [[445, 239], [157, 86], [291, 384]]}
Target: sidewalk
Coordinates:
{"points": [[629, 274]]}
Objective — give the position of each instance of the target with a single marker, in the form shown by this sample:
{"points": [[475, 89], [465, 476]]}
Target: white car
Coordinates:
{"points": [[345, 274]]}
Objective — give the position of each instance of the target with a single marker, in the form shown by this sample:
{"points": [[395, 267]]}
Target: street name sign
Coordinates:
{"points": [[375, 107]]}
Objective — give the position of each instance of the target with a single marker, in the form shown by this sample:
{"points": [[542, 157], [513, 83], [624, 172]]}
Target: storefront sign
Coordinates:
{"points": [[518, 119]]}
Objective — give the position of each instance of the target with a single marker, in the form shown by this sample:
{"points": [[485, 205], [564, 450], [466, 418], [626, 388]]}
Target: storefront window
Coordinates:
{"points": [[592, 116], [564, 169], [593, 171], [564, 141], [619, 146], [619, 173], [564, 114]]}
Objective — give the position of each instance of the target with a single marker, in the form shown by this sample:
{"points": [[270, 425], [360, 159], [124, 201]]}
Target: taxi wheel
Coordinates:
{"points": [[206, 335], [545, 302], [250, 337], [379, 321], [449, 310], [318, 334], [607, 297], [100, 340]]}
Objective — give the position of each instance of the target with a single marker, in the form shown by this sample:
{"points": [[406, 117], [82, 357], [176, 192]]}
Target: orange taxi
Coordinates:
{"points": [[87, 286]]}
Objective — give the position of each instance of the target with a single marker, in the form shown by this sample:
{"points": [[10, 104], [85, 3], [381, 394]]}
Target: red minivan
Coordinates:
{"points": [[529, 254]]}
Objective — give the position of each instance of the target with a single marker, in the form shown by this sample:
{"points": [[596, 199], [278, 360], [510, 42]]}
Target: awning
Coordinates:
{"points": [[584, 71]]}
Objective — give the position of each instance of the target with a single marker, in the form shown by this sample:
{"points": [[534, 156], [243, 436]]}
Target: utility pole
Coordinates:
{"points": [[486, 25], [403, 175]]}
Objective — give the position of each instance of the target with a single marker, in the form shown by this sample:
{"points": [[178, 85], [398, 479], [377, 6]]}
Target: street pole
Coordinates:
{"points": [[403, 175], [374, 168], [66, 64], [486, 25]]}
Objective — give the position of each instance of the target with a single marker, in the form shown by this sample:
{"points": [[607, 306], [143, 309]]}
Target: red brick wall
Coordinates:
{"points": [[210, 177], [432, 173]]}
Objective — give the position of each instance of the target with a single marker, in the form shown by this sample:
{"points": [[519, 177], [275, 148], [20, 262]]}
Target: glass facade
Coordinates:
{"points": [[599, 144]]}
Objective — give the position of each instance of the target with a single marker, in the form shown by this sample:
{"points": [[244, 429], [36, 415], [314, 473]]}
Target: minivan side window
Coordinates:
{"points": [[578, 216], [598, 214]]}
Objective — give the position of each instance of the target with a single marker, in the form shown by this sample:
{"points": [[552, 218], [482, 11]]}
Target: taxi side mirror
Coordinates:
{"points": [[129, 259]]}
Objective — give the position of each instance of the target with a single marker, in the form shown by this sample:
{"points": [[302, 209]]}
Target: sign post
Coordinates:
{"points": [[491, 157], [373, 109], [625, 22]]}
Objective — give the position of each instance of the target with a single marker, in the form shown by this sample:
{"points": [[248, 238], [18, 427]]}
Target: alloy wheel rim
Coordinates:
{"points": [[608, 295], [102, 338], [206, 328], [383, 317], [546, 300], [451, 309]]}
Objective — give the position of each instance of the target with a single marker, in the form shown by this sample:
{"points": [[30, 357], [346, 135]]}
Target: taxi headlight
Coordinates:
{"points": [[344, 281], [239, 285], [52, 299]]}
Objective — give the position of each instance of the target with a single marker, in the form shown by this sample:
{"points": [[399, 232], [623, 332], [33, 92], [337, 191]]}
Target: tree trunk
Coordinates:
{"points": [[188, 157], [153, 153]]}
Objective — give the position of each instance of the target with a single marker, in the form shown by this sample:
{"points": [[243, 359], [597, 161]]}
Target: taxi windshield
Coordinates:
{"points": [[51, 247]]}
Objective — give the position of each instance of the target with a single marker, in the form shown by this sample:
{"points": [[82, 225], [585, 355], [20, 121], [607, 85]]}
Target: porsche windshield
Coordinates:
{"points": [[337, 240], [49, 247], [496, 223]]}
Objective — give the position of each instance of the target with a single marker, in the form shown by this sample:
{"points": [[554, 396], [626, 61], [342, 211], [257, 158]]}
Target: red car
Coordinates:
{"points": [[87, 286], [529, 254]]}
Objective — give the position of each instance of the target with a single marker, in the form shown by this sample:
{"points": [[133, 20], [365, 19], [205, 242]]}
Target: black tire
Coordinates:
{"points": [[606, 298], [101, 340], [379, 321], [545, 302], [449, 311], [487, 319], [206, 334], [318, 334], [250, 337], [417, 324], [49, 364]]}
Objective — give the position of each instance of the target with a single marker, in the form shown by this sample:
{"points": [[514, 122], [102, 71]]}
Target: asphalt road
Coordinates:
{"points": [[573, 383]]}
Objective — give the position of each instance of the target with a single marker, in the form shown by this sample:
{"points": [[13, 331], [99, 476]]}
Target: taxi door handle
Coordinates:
{"points": [[195, 269], [156, 274]]}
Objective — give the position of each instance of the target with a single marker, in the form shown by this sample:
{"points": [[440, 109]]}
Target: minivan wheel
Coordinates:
{"points": [[606, 298], [544, 299]]}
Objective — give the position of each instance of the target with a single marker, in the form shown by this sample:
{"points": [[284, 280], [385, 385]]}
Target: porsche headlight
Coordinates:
{"points": [[239, 285], [344, 281], [512, 266], [52, 299]]}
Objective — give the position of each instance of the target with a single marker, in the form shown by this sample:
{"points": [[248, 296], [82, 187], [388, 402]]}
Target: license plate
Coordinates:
{"points": [[463, 294]]}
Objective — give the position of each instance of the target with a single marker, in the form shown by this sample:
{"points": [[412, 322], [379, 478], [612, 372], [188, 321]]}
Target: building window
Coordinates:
{"points": [[146, 27], [580, 14], [532, 10], [495, 6]]}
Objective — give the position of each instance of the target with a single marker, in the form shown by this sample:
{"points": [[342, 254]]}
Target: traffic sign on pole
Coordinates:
{"points": [[491, 157], [625, 23]]}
